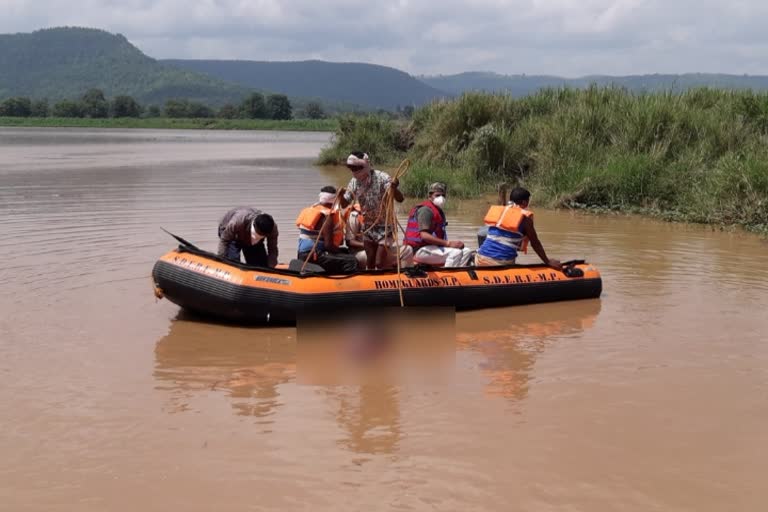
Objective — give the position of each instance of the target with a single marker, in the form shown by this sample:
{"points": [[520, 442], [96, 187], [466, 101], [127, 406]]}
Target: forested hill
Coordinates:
{"points": [[61, 63], [522, 85], [364, 84]]}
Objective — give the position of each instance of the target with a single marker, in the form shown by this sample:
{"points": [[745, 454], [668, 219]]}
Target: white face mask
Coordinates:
{"points": [[439, 201]]}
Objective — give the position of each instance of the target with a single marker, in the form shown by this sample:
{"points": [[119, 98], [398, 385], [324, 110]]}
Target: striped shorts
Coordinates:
{"points": [[485, 261]]}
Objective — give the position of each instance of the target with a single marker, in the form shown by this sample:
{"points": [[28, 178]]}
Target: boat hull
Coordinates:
{"points": [[204, 284]]}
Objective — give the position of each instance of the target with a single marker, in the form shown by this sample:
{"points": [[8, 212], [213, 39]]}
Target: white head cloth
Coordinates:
{"points": [[365, 161], [326, 198]]}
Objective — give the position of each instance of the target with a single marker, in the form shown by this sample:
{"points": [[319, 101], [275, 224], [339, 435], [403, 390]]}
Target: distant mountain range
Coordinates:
{"points": [[64, 62], [61, 63], [521, 85], [363, 84]]}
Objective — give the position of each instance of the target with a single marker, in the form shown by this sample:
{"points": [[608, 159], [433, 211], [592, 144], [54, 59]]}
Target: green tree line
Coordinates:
{"points": [[94, 104]]}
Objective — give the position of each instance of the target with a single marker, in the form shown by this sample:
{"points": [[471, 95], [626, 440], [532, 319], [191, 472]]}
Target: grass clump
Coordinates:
{"points": [[698, 155], [384, 140]]}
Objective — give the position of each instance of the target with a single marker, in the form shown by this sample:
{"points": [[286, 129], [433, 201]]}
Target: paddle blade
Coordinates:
{"points": [[181, 240]]}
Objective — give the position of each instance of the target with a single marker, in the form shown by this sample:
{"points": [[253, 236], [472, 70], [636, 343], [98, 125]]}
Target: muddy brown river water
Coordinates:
{"points": [[654, 397]]}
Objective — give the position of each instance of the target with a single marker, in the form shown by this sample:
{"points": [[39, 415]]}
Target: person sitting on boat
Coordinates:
{"points": [[353, 233], [368, 186], [510, 229], [245, 229], [426, 233], [321, 229], [354, 238]]}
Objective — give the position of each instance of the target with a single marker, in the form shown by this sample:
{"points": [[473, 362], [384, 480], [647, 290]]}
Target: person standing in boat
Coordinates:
{"points": [[426, 233], [368, 186], [245, 230], [320, 227], [510, 229]]}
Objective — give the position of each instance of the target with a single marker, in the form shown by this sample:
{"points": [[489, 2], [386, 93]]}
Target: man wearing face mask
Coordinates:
{"points": [[245, 229], [426, 233]]}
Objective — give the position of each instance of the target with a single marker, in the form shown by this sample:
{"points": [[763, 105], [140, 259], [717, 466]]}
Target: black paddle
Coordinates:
{"points": [[181, 240]]}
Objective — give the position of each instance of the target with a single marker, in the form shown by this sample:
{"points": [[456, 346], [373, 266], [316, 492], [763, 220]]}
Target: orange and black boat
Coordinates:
{"points": [[206, 284]]}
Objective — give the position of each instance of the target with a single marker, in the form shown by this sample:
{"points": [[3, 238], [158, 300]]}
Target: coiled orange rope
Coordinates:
{"points": [[388, 210]]}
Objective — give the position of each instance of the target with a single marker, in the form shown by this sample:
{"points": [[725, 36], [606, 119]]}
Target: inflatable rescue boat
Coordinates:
{"points": [[203, 283]]}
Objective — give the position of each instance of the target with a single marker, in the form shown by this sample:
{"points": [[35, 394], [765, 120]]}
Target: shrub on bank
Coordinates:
{"points": [[384, 140], [700, 154]]}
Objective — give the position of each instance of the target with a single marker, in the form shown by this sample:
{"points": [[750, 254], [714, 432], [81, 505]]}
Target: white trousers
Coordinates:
{"points": [[361, 259], [436, 255]]}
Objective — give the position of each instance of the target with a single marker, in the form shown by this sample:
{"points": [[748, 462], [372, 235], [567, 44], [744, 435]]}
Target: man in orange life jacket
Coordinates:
{"points": [[323, 221], [510, 228], [426, 233]]}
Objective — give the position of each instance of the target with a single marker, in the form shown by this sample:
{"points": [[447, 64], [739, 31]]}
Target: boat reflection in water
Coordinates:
{"points": [[197, 357], [508, 344], [361, 365]]}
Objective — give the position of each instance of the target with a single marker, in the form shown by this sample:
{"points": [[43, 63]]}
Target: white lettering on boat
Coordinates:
{"points": [[202, 268], [522, 279]]}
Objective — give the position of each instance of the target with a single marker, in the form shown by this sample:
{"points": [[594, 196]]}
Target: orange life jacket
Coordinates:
{"points": [[508, 218], [310, 218]]}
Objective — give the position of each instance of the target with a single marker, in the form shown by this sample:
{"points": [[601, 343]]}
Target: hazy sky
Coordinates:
{"points": [[560, 37]]}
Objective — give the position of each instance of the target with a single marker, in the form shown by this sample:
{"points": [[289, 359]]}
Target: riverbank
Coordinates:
{"points": [[309, 125], [698, 156]]}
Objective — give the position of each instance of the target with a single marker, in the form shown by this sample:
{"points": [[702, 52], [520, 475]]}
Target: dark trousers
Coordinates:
{"points": [[334, 263], [255, 255]]}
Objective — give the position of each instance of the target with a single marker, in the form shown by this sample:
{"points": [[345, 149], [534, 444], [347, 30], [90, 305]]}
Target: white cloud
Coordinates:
{"points": [[565, 37]]}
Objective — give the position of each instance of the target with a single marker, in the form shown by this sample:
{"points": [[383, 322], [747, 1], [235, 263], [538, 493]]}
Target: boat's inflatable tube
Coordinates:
{"points": [[206, 284]]}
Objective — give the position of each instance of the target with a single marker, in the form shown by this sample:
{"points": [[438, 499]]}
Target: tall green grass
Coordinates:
{"points": [[699, 155]]}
